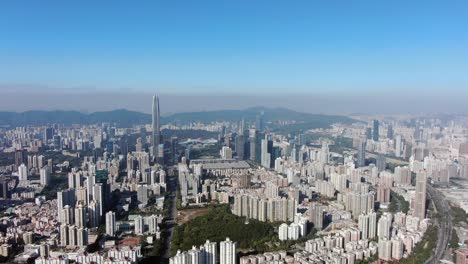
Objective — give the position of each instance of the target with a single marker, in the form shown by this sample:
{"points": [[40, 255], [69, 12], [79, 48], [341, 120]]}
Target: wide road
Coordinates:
{"points": [[444, 222], [169, 221]]}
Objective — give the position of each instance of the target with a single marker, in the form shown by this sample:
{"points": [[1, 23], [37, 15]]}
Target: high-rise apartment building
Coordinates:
{"points": [[316, 215], [110, 223], [23, 172], [80, 216], [420, 195], [227, 252]]}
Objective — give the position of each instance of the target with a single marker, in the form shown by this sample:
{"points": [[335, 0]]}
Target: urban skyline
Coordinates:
{"points": [[234, 132]]}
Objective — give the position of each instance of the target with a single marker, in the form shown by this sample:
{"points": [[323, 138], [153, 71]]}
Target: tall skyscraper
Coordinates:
{"points": [[361, 160], [156, 134], [420, 196], [398, 145], [253, 147], [259, 122], [381, 162], [48, 133], [267, 153], [390, 132], [240, 146], [375, 132], [369, 133]]}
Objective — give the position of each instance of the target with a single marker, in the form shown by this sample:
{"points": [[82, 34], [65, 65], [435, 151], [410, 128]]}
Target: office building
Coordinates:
{"points": [[381, 162], [259, 125], [267, 153], [375, 132], [361, 159], [156, 138], [390, 132], [240, 146], [369, 133]]}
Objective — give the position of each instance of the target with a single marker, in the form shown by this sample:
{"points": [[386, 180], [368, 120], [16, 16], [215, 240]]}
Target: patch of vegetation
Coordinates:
{"points": [[341, 144], [218, 224], [454, 240], [458, 214], [7, 158], [398, 203], [57, 182], [207, 151]]}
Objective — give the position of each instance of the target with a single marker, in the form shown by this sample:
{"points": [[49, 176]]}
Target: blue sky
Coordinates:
{"points": [[247, 47]]}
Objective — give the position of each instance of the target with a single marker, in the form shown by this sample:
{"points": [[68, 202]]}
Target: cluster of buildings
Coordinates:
{"points": [[338, 181], [208, 254], [341, 195]]}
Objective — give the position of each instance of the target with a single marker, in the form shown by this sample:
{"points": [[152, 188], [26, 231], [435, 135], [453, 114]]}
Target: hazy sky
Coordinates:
{"points": [[321, 49]]}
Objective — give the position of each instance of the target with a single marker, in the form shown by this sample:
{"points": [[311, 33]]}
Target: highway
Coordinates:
{"points": [[444, 222]]}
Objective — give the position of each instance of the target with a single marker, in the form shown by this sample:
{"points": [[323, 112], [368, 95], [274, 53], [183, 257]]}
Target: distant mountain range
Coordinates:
{"points": [[126, 118]]}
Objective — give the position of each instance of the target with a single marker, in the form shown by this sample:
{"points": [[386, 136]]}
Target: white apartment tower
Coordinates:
{"points": [[23, 172], [227, 252], [110, 223]]}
